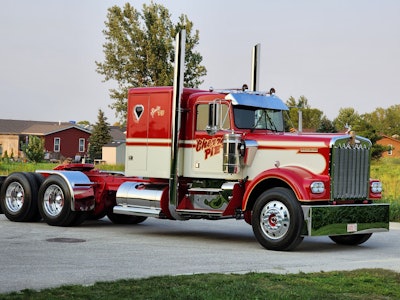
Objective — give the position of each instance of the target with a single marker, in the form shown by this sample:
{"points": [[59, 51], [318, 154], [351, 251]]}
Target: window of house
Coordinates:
{"points": [[57, 142], [81, 145], [390, 151]]}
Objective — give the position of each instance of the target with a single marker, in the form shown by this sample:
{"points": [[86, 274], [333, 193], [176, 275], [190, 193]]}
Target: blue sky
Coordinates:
{"points": [[342, 53]]}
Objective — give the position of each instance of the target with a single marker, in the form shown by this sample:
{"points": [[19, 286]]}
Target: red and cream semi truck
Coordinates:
{"points": [[203, 154]]}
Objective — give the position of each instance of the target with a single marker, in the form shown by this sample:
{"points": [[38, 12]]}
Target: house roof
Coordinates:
{"points": [[114, 144], [35, 127], [118, 134], [390, 138]]}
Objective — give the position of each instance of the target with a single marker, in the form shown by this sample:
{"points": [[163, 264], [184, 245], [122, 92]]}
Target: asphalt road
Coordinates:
{"points": [[37, 256]]}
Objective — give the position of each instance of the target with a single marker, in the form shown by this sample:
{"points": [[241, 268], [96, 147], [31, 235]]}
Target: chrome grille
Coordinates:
{"points": [[350, 169]]}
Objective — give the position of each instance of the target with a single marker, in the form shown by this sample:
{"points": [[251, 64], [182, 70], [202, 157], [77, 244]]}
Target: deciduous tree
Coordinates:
{"points": [[139, 51], [311, 117]]}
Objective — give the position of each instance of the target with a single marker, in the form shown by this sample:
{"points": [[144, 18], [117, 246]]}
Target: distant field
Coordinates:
{"points": [[387, 170]]}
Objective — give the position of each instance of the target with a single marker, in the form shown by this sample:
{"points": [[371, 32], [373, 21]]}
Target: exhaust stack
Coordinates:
{"points": [[176, 121], [255, 68]]}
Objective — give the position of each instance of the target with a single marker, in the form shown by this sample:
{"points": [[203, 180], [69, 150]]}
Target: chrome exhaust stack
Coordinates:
{"points": [[255, 68], [176, 122]]}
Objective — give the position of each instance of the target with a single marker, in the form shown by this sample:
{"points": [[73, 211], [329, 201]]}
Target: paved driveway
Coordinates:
{"points": [[36, 256]]}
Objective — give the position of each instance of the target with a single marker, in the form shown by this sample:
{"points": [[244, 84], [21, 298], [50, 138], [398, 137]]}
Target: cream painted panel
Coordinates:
{"points": [[159, 162], [266, 159], [197, 165], [135, 160]]}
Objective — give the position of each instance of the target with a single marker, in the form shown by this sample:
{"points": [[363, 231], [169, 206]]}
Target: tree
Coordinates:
{"points": [[83, 123], [139, 51], [311, 117], [364, 128], [326, 125], [100, 136], [34, 150], [386, 121], [346, 117]]}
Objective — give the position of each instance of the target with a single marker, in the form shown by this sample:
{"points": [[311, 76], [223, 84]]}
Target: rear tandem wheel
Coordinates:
{"points": [[55, 203], [19, 197]]}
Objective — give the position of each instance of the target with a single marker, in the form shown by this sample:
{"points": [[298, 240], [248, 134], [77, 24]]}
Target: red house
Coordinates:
{"points": [[61, 139], [393, 144]]}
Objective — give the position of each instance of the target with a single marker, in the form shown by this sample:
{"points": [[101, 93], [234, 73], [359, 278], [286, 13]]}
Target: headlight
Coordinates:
{"points": [[376, 187], [317, 187]]}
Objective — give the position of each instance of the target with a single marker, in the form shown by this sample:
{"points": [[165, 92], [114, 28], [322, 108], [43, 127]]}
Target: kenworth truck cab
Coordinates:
{"points": [[206, 154]]}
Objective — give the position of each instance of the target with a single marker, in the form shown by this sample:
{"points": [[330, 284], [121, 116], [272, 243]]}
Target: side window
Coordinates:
{"points": [[202, 117], [81, 145], [57, 142]]}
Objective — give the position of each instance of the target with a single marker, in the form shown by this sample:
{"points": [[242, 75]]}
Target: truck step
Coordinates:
{"points": [[137, 211], [200, 213]]}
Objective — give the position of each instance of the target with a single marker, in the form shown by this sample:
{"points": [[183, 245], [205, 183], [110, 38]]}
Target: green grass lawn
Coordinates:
{"points": [[360, 284]]}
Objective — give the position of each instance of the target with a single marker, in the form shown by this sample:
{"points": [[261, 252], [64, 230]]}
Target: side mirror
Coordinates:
{"points": [[214, 109]]}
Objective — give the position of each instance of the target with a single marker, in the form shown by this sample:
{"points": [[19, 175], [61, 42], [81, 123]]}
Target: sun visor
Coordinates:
{"points": [[257, 100]]}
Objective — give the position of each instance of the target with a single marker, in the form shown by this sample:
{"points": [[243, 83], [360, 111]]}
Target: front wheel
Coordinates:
{"points": [[351, 239], [277, 219]]}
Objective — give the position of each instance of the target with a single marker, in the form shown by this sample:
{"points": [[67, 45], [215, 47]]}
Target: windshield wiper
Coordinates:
{"points": [[273, 127], [255, 125]]}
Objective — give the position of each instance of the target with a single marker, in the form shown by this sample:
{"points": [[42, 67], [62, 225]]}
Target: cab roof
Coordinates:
{"points": [[269, 101]]}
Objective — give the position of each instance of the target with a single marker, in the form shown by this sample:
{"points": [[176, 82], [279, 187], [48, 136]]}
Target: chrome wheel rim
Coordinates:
{"points": [[15, 196], [275, 220], [53, 200]]}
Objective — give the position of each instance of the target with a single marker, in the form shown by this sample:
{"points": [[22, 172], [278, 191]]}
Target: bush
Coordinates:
{"points": [[34, 151]]}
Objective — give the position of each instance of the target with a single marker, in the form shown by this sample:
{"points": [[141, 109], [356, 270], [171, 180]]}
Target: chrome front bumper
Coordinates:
{"points": [[326, 220]]}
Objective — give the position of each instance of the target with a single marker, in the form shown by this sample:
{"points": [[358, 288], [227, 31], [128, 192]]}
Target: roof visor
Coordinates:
{"points": [[257, 100]]}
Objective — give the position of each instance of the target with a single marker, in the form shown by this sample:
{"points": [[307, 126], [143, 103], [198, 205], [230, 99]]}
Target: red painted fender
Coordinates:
{"points": [[297, 178]]}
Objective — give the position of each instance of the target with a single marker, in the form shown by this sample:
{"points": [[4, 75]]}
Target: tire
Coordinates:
{"points": [[92, 217], [351, 239], [55, 203], [2, 178], [277, 219], [39, 178], [125, 219], [19, 197]]}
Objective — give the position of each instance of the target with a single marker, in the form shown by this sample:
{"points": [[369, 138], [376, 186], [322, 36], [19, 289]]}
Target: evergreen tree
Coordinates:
{"points": [[139, 51], [100, 136]]}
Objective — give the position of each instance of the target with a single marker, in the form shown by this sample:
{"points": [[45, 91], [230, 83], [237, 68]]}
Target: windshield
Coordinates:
{"points": [[258, 118]]}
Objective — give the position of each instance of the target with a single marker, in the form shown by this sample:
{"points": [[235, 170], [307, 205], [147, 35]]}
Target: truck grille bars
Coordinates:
{"points": [[350, 168]]}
